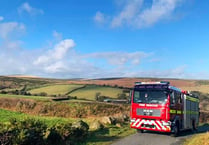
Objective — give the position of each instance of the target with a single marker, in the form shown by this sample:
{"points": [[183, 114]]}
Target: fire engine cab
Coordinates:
{"points": [[158, 106]]}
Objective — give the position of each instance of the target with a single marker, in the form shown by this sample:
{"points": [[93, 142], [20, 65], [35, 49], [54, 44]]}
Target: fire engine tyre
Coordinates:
{"points": [[175, 131], [194, 127], [140, 131]]}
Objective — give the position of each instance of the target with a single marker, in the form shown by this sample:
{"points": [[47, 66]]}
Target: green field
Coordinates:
{"points": [[89, 92], [24, 97], [56, 89]]}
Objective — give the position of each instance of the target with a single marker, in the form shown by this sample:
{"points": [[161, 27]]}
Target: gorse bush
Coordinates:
{"points": [[28, 131], [35, 132]]}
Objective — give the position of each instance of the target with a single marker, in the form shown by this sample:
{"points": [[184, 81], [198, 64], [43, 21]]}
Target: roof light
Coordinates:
{"points": [[145, 83]]}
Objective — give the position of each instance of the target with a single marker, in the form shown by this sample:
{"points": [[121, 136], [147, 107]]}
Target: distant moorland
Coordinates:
{"points": [[59, 103]]}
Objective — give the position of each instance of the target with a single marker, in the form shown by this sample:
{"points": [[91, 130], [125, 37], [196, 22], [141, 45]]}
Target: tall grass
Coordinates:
{"points": [[200, 139]]}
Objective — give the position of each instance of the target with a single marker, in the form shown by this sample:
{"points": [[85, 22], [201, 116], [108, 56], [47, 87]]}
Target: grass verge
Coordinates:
{"points": [[200, 139], [109, 134]]}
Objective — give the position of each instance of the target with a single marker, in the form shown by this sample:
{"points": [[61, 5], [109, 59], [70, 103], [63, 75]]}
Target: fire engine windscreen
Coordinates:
{"points": [[150, 96]]}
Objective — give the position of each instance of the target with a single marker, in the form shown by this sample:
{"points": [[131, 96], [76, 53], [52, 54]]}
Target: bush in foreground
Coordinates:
{"points": [[35, 132]]}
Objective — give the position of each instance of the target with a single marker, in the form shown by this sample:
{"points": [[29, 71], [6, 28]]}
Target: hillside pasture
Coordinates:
{"points": [[61, 89], [90, 90]]}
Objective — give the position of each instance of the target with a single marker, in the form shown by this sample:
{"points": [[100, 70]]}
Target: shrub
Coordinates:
{"points": [[122, 96], [79, 131], [53, 137], [97, 94], [35, 132], [4, 92], [28, 131], [5, 135], [67, 132], [43, 94], [102, 98]]}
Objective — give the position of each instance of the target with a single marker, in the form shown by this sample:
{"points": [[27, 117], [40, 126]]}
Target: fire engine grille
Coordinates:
{"points": [[148, 112]]}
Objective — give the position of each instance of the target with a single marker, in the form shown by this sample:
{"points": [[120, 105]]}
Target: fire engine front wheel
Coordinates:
{"points": [[140, 131], [175, 132]]}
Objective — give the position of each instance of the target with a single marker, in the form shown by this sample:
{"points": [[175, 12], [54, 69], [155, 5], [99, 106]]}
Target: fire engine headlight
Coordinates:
{"points": [[132, 120], [167, 123]]}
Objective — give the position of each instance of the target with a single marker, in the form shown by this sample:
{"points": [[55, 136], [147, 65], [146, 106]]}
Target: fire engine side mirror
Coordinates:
{"points": [[130, 96]]}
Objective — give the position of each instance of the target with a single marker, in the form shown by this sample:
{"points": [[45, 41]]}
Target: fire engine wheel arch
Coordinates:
{"points": [[175, 126], [176, 120]]}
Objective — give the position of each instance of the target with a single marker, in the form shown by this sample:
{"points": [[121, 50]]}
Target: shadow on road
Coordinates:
{"points": [[201, 129]]}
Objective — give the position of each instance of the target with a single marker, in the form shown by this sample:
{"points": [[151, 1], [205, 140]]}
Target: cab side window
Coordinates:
{"points": [[172, 97], [178, 97], [175, 97]]}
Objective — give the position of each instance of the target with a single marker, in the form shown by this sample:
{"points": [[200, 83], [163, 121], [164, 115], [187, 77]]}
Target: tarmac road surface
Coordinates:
{"points": [[154, 138]]}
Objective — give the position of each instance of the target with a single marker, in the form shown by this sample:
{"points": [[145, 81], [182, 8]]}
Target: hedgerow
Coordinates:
{"points": [[35, 132]]}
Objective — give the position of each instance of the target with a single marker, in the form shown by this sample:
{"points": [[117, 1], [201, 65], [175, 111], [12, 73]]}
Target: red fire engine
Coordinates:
{"points": [[158, 106]]}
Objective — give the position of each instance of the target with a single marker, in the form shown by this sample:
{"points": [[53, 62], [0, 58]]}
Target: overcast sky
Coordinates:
{"points": [[105, 38]]}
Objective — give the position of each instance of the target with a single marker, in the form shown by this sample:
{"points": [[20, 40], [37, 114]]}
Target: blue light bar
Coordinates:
{"points": [[152, 83]]}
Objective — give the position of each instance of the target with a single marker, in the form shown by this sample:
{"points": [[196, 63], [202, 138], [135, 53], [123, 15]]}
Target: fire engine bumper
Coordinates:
{"points": [[153, 125]]}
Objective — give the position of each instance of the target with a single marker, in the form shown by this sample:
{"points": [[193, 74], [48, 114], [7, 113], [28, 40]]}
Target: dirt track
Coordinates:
{"points": [[153, 138]]}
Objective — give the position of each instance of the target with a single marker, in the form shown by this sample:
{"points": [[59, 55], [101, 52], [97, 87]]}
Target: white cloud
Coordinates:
{"points": [[128, 13], [138, 14], [8, 28], [70, 64], [61, 49], [159, 10], [26, 7], [178, 72], [62, 61], [119, 58], [99, 18], [55, 67], [1, 18], [12, 45], [57, 53]]}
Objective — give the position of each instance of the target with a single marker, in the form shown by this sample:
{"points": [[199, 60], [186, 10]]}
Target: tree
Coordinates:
{"points": [[122, 96], [97, 96]]}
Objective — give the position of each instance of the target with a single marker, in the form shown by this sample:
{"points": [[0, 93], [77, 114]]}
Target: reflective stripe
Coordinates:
{"points": [[183, 112], [172, 111], [192, 99], [136, 122], [175, 111], [191, 112], [178, 111]]}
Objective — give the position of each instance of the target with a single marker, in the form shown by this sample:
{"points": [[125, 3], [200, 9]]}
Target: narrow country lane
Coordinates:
{"points": [[154, 138]]}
